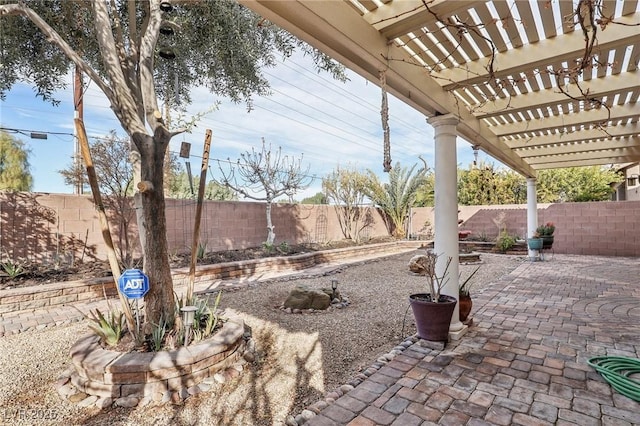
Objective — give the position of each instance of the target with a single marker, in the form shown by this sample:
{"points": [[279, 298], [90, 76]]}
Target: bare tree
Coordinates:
{"points": [[265, 175], [115, 178], [345, 188]]}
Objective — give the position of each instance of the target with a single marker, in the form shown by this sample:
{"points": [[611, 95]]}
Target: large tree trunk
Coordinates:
{"points": [[159, 301], [271, 235]]}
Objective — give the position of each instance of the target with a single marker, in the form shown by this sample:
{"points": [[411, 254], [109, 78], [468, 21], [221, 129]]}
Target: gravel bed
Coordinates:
{"points": [[301, 356]]}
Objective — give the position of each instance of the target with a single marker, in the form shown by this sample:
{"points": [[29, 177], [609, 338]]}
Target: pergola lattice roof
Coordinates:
{"points": [[497, 65]]}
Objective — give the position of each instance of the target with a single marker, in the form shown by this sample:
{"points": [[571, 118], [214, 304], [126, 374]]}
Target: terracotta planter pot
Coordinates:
{"points": [[465, 307], [432, 319]]}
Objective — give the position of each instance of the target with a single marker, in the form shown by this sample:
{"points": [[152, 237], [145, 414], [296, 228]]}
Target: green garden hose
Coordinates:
{"points": [[617, 371]]}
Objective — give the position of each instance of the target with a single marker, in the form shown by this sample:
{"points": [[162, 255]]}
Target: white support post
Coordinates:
{"points": [[532, 213], [446, 209]]}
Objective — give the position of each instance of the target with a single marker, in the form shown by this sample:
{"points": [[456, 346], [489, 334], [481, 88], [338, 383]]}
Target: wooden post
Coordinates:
{"points": [[196, 226], [104, 224]]}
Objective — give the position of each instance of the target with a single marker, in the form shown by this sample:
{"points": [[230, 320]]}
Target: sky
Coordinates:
{"points": [[328, 122]]}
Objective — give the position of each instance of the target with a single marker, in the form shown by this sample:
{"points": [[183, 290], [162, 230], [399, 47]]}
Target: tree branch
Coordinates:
{"points": [[123, 103], [57, 40]]}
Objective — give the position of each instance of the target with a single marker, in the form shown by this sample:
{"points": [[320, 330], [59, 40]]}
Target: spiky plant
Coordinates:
{"points": [[396, 197]]}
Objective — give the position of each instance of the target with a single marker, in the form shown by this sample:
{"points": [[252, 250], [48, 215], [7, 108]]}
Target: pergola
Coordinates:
{"points": [[535, 84]]}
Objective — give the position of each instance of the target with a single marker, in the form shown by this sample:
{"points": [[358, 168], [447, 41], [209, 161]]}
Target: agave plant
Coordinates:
{"points": [[108, 328]]}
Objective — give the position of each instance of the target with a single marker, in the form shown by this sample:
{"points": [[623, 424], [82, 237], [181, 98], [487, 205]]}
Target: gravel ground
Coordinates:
{"points": [[302, 356]]}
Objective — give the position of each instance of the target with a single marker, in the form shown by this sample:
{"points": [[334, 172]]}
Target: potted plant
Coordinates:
{"points": [[464, 296], [546, 233], [535, 242], [432, 311]]}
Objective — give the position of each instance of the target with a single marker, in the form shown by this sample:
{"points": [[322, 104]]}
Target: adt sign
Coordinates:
{"points": [[133, 283]]}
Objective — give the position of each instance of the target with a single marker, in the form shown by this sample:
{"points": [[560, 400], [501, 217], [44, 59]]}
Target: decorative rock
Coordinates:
{"points": [[232, 373], [166, 397], [175, 398], [307, 414], [126, 402], [290, 421], [219, 378], [297, 311], [417, 264], [204, 387], [103, 403], [305, 298], [321, 405], [251, 345], [66, 390], [355, 382], [288, 310], [333, 395], [61, 382], [194, 390], [77, 397], [90, 400], [237, 367], [249, 356], [145, 401], [369, 371], [209, 380], [300, 420], [346, 388], [184, 393]]}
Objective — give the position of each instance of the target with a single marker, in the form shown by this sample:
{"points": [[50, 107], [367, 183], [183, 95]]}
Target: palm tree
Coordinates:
{"points": [[396, 197]]}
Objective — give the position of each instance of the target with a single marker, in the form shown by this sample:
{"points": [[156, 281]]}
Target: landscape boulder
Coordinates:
{"points": [[302, 297]]}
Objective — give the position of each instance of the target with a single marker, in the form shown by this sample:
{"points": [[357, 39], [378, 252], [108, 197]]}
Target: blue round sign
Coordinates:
{"points": [[133, 283]]}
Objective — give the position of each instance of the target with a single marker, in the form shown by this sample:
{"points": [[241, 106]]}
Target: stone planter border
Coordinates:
{"points": [[155, 375]]}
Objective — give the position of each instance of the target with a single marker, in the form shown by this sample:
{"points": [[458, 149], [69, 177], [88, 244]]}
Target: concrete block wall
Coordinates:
{"points": [[55, 227], [593, 228], [52, 228]]}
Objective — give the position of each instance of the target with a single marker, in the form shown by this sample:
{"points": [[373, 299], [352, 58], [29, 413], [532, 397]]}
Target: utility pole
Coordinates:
{"points": [[78, 109]]}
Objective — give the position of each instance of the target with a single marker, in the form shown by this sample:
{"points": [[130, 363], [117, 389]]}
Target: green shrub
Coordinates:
{"points": [[505, 242]]}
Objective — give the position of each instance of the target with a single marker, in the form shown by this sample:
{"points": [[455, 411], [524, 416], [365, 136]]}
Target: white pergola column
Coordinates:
{"points": [[532, 212], [446, 206]]}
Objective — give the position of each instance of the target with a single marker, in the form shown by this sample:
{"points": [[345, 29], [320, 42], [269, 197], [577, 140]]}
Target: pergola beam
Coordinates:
{"points": [[567, 121], [576, 136], [539, 55], [597, 89], [590, 157], [569, 148], [401, 17], [583, 163]]}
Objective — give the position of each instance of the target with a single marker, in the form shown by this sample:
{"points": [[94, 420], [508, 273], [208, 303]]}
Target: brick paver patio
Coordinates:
{"points": [[524, 360]]}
